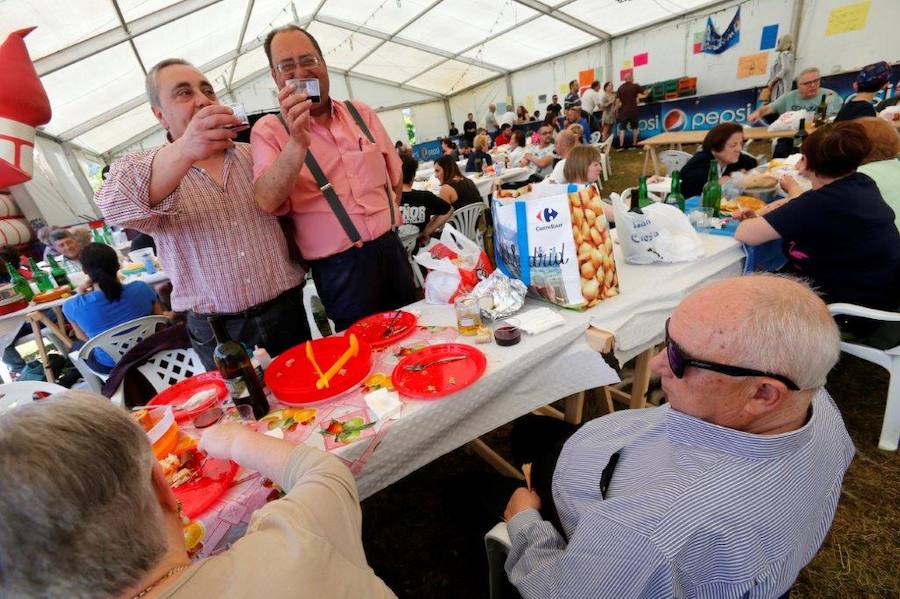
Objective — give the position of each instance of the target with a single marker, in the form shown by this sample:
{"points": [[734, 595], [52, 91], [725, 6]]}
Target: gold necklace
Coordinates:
{"points": [[165, 576]]}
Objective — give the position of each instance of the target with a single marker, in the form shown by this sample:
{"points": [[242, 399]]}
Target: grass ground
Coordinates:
{"points": [[423, 534]]}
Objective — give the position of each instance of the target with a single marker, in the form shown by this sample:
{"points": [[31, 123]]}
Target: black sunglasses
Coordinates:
{"points": [[678, 361]]}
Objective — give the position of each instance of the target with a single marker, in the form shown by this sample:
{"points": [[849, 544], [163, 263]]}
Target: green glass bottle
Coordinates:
{"points": [[58, 272], [40, 278], [675, 197], [821, 112], [643, 196], [19, 283], [107, 235], [97, 236], [712, 191]]}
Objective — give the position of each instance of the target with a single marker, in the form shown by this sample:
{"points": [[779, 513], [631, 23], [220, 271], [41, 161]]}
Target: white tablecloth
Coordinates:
{"points": [[650, 293], [539, 370]]}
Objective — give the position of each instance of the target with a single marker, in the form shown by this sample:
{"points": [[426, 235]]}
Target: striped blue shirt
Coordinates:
{"points": [[693, 509]]}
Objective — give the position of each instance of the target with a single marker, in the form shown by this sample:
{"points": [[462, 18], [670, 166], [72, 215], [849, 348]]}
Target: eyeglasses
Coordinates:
{"points": [[678, 361], [813, 82], [309, 61]]}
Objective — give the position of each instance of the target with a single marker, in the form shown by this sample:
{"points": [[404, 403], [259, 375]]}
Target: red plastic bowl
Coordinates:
{"points": [[292, 378], [181, 391]]}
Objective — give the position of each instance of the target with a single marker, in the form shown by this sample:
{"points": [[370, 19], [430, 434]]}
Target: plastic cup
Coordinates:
{"points": [[701, 219]]}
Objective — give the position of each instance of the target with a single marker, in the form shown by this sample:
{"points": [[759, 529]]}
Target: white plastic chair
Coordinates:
{"points": [[889, 359], [309, 290], [595, 137], [115, 342], [21, 392], [496, 546], [674, 159], [408, 238], [465, 220], [164, 369], [606, 157]]}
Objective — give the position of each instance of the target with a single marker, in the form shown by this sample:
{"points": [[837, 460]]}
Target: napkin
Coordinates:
{"points": [[538, 320], [384, 404]]}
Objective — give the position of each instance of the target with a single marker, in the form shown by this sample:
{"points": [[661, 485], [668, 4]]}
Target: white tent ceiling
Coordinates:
{"points": [[92, 55]]}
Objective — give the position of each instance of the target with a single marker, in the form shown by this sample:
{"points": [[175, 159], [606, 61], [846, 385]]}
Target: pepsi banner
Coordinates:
{"points": [[697, 113], [427, 151]]}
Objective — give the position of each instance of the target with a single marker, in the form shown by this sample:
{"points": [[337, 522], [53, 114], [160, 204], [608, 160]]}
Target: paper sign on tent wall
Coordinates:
{"points": [[598, 74], [585, 78], [698, 42], [625, 72], [529, 104], [752, 65], [542, 98], [563, 88], [641, 59], [851, 17], [626, 64], [769, 37]]}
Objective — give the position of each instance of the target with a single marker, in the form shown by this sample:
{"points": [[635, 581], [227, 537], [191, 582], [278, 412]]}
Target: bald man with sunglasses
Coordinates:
{"points": [[727, 490]]}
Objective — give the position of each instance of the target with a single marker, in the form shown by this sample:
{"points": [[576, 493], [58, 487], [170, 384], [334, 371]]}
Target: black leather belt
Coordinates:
{"points": [[253, 311]]}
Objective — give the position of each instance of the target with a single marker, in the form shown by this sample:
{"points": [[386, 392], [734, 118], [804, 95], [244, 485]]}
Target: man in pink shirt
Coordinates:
{"points": [[344, 219], [194, 195]]}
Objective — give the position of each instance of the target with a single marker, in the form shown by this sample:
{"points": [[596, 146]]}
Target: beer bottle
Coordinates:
{"points": [[19, 283], [40, 278], [106, 234], [97, 236], [643, 195], [236, 368], [712, 191], [58, 272], [675, 198], [799, 137], [821, 112]]}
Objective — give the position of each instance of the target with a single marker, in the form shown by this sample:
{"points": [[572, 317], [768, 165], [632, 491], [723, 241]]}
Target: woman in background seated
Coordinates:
{"points": [[881, 164], [481, 147], [724, 144], [102, 521], [583, 167], [112, 304], [456, 189], [448, 147], [840, 236], [516, 159]]}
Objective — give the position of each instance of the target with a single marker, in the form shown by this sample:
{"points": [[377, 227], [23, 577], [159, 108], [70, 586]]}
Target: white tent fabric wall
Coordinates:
{"points": [[430, 121], [394, 124]]}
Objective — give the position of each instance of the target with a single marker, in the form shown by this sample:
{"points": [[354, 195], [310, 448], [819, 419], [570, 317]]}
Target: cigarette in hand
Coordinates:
{"points": [[526, 470]]}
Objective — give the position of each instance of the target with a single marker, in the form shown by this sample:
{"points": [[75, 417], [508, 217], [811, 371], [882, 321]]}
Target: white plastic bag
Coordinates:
{"points": [[455, 265], [790, 121], [661, 234]]}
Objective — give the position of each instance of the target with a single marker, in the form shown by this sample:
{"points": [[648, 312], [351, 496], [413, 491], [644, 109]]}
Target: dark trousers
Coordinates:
{"points": [[363, 281], [279, 325], [539, 440]]}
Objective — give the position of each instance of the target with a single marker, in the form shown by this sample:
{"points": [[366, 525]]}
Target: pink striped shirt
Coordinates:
{"points": [[356, 169], [221, 251]]}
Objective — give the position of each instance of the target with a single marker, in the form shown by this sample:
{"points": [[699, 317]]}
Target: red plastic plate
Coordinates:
{"points": [[199, 494], [440, 379], [182, 391], [292, 378], [371, 328]]}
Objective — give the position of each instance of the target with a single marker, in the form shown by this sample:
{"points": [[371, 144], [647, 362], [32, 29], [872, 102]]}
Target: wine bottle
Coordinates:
{"points": [[58, 272], [799, 137], [235, 367], [19, 283], [40, 278], [712, 191], [821, 112], [643, 194], [675, 197]]}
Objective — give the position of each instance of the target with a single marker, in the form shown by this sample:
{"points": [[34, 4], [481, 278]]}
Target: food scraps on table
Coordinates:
{"points": [[289, 419], [345, 431]]}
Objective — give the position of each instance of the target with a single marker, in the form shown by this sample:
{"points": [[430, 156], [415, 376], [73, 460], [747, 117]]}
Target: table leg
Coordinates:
{"points": [[42, 351], [494, 459], [655, 162], [641, 379], [647, 150]]}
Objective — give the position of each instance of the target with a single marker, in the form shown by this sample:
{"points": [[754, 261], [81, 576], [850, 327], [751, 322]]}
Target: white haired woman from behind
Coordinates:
{"points": [[87, 512]]}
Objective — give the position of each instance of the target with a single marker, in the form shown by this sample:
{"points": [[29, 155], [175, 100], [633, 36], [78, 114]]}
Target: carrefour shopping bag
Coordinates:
{"points": [[556, 240], [455, 265]]}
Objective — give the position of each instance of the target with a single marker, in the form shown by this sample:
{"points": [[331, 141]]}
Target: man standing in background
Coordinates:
{"points": [[572, 98], [554, 106], [490, 119], [629, 93], [469, 129], [342, 193], [590, 103]]}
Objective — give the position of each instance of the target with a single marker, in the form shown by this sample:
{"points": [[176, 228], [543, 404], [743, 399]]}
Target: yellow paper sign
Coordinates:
{"points": [[752, 65], [563, 88], [529, 104], [851, 17], [626, 64]]}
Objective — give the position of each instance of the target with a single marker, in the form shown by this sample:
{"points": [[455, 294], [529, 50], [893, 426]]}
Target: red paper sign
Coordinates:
{"points": [[698, 47], [640, 59]]}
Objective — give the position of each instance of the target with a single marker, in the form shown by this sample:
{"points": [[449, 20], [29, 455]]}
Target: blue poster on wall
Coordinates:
{"points": [[715, 43]]}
